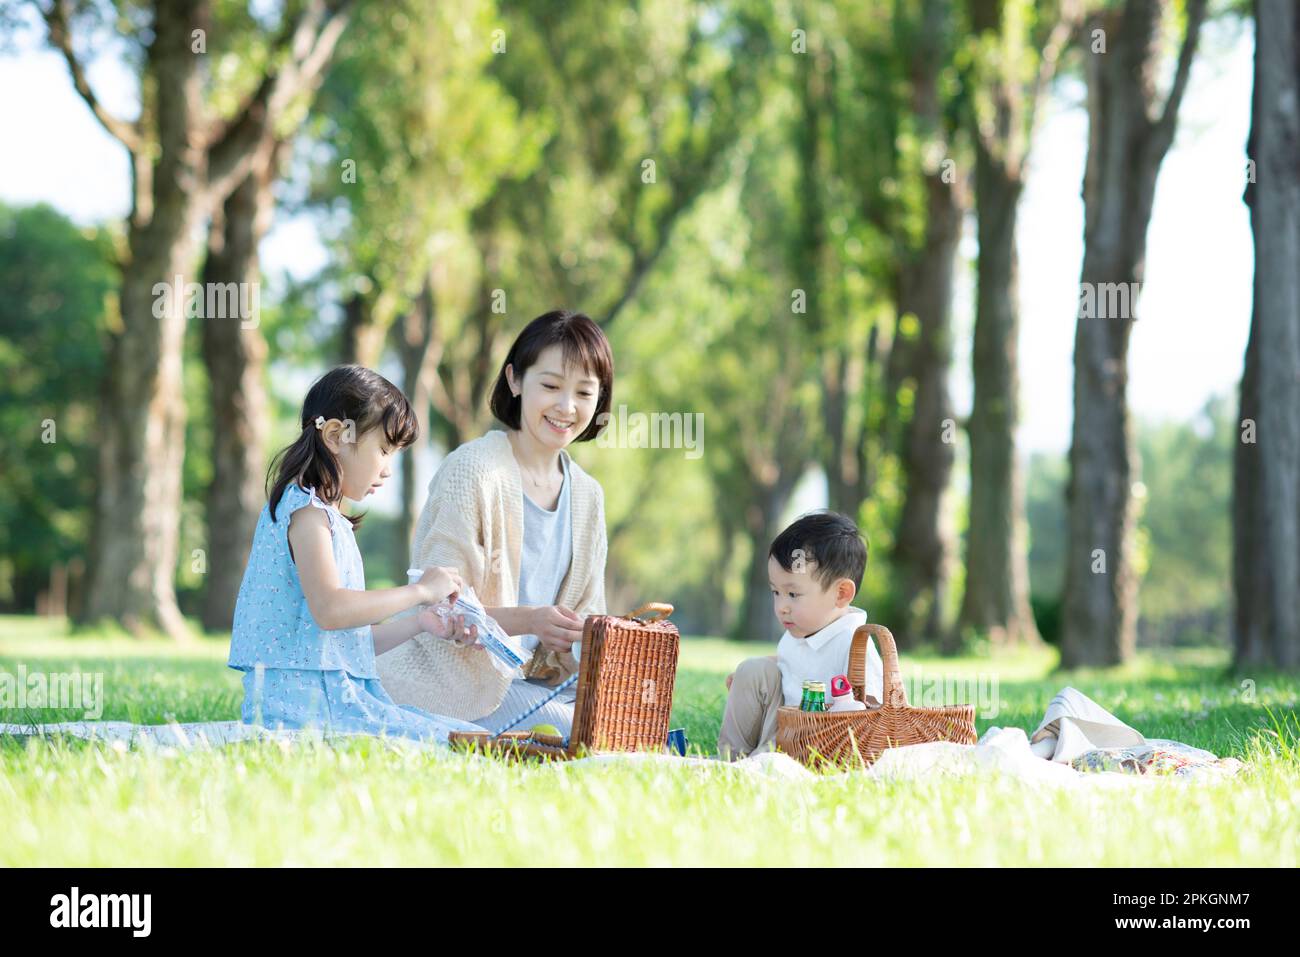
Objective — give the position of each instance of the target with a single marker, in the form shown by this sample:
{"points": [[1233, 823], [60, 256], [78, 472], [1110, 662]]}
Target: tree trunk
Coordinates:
{"points": [[777, 450], [924, 546], [363, 338], [997, 566], [843, 477], [133, 549], [234, 353], [762, 524], [1251, 575], [183, 163], [418, 350], [1267, 494], [1125, 149], [843, 444]]}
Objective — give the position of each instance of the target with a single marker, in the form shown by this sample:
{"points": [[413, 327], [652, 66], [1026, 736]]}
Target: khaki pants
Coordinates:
{"points": [[749, 721]]}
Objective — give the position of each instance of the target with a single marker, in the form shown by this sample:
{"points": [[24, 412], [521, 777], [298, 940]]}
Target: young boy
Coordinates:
{"points": [[815, 568]]}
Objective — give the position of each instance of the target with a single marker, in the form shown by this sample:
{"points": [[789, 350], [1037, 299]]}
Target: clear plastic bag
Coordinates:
{"points": [[505, 653]]}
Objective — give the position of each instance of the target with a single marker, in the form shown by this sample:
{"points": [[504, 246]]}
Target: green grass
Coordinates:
{"points": [[360, 802]]}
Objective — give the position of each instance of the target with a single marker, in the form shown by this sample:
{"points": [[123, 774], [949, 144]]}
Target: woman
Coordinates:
{"points": [[525, 526]]}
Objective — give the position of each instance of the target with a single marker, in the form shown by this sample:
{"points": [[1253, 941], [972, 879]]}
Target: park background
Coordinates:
{"points": [[773, 209], [862, 240]]}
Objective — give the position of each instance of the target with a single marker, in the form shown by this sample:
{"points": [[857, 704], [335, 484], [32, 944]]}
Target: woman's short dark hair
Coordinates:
{"points": [[583, 344]]}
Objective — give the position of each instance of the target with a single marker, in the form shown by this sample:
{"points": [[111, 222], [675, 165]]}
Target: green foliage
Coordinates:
{"points": [[1187, 498], [674, 168], [411, 134], [643, 101], [59, 282], [1045, 485]]}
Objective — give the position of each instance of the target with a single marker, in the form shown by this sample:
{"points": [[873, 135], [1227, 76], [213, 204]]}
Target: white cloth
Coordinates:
{"points": [[1074, 723], [1001, 751], [823, 655]]}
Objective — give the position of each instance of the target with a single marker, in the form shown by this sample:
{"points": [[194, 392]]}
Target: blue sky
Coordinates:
{"points": [[1194, 313]]}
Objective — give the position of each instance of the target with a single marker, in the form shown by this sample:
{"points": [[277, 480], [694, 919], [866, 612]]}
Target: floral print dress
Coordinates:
{"points": [[297, 674]]}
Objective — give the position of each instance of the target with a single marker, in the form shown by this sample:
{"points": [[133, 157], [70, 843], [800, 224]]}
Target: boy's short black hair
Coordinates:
{"points": [[830, 545]]}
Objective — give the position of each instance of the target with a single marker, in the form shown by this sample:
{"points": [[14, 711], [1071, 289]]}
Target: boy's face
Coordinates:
{"points": [[802, 604]]}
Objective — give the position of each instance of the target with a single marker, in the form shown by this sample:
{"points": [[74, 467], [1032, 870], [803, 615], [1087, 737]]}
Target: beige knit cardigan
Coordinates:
{"points": [[473, 520]]}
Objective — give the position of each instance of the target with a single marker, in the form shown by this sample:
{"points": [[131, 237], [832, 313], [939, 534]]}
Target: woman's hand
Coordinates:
{"points": [[452, 628], [437, 584], [556, 627]]}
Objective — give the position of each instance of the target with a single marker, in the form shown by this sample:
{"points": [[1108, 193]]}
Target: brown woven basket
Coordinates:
{"points": [[625, 690], [856, 738]]}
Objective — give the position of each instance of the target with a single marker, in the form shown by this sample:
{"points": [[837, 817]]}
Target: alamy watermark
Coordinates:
{"points": [[209, 300], [130, 911], [61, 690], [652, 430], [925, 690], [1108, 300]]}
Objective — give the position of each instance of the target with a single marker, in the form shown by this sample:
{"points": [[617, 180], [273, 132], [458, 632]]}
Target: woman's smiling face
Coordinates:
{"points": [[557, 399]]}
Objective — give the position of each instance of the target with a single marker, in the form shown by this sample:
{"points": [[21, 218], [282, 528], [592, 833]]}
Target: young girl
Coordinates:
{"points": [[306, 630]]}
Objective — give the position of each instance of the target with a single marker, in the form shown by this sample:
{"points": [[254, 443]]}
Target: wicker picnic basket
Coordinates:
{"points": [[858, 737], [625, 690]]}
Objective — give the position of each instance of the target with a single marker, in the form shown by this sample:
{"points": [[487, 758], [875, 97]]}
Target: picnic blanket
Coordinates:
{"points": [[1077, 744]]}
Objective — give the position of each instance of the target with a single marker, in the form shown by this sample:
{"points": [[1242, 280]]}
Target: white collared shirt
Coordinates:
{"points": [[823, 655]]}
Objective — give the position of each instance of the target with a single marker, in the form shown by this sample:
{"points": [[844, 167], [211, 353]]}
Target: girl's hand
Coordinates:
{"points": [[729, 678], [437, 584], [451, 628], [556, 627]]}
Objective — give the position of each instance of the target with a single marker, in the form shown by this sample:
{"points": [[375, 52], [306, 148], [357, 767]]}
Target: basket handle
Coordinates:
{"points": [[651, 611], [894, 692]]}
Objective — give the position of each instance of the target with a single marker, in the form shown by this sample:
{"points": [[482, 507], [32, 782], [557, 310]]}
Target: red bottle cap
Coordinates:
{"points": [[840, 686]]}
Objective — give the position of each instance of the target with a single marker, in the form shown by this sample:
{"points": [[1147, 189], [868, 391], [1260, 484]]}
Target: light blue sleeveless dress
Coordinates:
{"points": [[297, 674]]}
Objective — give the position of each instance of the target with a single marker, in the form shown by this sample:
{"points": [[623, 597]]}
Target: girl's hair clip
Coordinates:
{"points": [[320, 421]]}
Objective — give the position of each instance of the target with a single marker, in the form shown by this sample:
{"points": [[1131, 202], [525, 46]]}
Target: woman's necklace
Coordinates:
{"points": [[547, 485]]}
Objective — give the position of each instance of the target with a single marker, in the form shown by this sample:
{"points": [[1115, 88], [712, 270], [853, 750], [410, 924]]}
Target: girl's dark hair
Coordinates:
{"points": [[346, 393], [584, 345]]}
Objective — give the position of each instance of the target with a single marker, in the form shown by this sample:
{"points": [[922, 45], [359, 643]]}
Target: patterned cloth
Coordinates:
{"points": [[1161, 758], [1077, 732]]}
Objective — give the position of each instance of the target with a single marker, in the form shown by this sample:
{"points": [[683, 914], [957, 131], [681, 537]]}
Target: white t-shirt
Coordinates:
{"points": [[545, 554], [823, 655]]}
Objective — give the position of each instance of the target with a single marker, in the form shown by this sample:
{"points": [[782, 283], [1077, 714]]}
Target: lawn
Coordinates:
{"points": [[361, 802]]}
